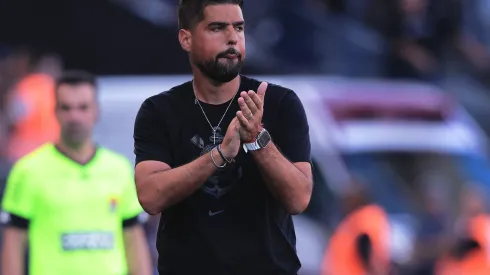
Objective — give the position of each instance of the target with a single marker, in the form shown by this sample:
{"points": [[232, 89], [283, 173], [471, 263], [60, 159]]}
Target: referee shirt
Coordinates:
{"points": [[75, 214]]}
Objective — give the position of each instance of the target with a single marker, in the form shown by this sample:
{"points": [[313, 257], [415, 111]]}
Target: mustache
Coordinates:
{"points": [[229, 51]]}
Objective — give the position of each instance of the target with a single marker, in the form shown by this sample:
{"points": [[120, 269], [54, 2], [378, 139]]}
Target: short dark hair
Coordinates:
{"points": [[191, 12], [76, 77]]}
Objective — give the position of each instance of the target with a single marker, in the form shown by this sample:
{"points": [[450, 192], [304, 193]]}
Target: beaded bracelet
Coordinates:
{"points": [[223, 156]]}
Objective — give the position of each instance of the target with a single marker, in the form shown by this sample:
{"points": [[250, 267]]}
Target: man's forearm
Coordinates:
{"points": [[171, 186], [137, 251], [291, 186], [13, 251]]}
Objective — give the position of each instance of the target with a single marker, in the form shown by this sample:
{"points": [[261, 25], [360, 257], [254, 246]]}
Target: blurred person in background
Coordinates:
{"points": [[473, 214], [50, 64], [421, 34], [359, 245], [224, 210], [432, 235], [33, 100], [74, 203], [5, 128], [4, 102], [5, 96], [5, 88], [19, 62], [470, 251]]}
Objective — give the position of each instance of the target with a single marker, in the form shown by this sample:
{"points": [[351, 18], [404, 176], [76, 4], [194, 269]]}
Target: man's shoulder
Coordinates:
{"points": [[273, 89], [33, 163], [39, 157], [171, 96]]}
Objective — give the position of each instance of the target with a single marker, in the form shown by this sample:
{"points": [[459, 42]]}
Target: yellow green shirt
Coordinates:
{"points": [[74, 213]]}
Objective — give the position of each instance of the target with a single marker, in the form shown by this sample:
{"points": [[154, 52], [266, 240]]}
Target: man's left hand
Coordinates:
{"points": [[251, 111]]}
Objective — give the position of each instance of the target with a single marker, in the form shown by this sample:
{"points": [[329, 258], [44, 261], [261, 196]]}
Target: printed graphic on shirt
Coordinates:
{"points": [[223, 180], [113, 203]]}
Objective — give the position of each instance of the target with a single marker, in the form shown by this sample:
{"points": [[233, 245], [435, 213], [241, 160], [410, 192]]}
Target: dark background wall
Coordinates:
{"points": [[95, 35]]}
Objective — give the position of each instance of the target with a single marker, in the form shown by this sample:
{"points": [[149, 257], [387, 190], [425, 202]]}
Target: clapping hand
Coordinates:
{"points": [[231, 142], [251, 112]]}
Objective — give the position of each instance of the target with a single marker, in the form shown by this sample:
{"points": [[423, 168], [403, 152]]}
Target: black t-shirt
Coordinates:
{"points": [[232, 224]]}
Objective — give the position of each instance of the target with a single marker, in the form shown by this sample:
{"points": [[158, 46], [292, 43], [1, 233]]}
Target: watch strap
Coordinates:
{"points": [[251, 146]]}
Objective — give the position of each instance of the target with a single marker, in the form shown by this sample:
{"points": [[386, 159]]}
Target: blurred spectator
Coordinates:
{"points": [[470, 252], [5, 98], [432, 238], [296, 46], [5, 129], [19, 62], [359, 245], [473, 211], [50, 64], [421, 33], [31, 110], [6, 84]]}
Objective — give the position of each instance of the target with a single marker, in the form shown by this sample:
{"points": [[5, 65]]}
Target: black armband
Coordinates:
{"points": [[9, 219]]}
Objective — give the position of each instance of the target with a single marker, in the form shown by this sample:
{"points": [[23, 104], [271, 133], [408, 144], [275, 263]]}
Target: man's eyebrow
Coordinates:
{"points": [[224, 24], [217, 24]]}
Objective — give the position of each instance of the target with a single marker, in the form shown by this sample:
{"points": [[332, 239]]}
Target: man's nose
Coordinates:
{"points": [[232, 36], [75, 115]]}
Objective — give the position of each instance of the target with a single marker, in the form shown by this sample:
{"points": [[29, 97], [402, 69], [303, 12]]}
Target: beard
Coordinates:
{"points": [[222, 69], [74, 135]]}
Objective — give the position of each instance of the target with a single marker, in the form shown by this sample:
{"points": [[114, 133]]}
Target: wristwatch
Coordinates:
{"points": [[263, 138]]}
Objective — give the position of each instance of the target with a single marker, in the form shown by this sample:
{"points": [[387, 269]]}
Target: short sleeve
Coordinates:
{"points": [[151, 142], [19, 197], [292, 133]]}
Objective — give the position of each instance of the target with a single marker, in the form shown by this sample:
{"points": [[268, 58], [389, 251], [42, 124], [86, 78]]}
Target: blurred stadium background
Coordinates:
{"points": [[397, 95]]}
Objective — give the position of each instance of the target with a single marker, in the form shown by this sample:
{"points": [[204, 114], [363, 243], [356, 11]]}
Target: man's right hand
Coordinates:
{"points": [[231, 142]]}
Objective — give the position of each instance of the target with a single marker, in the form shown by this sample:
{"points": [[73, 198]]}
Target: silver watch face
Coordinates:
{"points": [[263, 139]]}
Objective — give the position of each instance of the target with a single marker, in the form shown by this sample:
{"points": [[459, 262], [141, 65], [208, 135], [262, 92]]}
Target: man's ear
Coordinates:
{"points": [[185, 39]]}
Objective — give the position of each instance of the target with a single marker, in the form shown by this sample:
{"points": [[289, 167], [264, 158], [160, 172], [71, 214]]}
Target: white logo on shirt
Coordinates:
{"points": [[211, 213], [87, 241]]}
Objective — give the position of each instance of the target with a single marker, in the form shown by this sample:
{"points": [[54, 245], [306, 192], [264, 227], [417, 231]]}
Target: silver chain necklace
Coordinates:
{"points": [[205, 116]]}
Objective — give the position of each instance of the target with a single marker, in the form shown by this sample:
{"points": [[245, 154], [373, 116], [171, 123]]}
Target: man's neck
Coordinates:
{"points": [[213, 93], [81, 153]]}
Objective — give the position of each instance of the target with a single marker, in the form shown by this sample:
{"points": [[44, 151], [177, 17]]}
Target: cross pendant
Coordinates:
{"points": [[214, 136]]}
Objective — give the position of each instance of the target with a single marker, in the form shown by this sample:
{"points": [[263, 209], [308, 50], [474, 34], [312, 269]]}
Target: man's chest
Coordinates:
{"points": [[198, 132], [196, 136]]}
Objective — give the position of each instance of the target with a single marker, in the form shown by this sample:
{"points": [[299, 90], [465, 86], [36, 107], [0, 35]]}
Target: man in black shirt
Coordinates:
{"points": [[225, 186]]}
